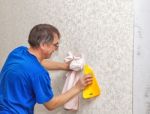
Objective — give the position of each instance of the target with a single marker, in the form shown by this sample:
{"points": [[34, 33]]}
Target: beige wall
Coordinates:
{"points": [[100, 29]]}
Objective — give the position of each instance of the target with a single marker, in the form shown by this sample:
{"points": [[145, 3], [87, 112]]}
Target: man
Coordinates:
{"points": [[24, 80]]}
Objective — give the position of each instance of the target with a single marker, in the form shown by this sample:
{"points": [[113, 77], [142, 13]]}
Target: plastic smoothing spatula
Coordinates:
{"points": [[92, 90]]}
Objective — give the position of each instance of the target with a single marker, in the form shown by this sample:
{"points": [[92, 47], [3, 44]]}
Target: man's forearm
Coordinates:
{"points": [[62, 99], [83, 82], [52, 65]]}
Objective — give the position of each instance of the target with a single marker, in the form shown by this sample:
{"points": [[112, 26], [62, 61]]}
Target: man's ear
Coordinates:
{"points": [[42, 46]]}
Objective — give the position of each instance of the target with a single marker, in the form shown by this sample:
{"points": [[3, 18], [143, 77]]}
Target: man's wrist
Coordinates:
{"points": [[77, 88], [67, 66]]}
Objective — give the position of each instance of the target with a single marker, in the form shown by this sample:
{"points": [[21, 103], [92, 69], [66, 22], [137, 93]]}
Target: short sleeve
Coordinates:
{"points": [[42, 88]]}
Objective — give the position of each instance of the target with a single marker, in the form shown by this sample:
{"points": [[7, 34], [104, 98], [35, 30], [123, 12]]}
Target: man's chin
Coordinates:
{"points": [[49, 56]]}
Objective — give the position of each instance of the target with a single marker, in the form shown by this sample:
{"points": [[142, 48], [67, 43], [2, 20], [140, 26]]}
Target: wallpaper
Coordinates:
{"points": [[101, 30]]}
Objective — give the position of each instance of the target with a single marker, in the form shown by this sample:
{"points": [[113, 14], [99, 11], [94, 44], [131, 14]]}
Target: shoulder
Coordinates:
{"points": [[20, 48]]}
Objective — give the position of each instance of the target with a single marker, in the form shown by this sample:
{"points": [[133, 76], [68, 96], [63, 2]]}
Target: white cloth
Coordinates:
{"points": [[76, 64]]}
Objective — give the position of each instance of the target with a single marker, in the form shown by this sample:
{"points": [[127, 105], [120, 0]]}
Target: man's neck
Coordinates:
{"points": [[36, 53]]}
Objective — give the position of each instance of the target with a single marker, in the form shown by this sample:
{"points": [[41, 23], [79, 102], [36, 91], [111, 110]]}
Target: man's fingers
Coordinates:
{"points": [[88, 75], [88, 79]]}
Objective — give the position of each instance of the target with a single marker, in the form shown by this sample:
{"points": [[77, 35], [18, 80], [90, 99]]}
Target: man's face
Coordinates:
{"points": [[49, 48]]}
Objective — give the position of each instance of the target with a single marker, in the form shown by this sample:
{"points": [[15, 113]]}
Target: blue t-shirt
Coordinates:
{"points": [[23, 82]]}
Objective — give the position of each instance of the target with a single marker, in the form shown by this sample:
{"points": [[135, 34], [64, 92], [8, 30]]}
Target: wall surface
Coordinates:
{"points": [[100, 29], [141, 93]]}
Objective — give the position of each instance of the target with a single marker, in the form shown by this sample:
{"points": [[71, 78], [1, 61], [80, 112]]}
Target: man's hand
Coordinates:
{"points": [[57, 101], [84, 81]]}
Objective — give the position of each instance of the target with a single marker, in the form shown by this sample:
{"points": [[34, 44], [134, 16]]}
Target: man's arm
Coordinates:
{"points": [[63, 98], [52, 65]]}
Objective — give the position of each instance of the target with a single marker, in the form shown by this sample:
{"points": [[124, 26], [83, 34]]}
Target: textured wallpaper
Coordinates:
{"points": [[102, 30]]}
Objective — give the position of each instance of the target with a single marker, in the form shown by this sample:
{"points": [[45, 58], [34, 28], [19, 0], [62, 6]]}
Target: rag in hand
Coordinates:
{"points": [[76, 65]]}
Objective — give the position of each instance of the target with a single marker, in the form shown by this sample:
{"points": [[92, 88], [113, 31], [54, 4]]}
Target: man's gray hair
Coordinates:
{"points": [[42, 33]]}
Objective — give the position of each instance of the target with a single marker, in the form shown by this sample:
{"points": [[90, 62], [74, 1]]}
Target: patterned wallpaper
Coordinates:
{"points": [[102, 30]]}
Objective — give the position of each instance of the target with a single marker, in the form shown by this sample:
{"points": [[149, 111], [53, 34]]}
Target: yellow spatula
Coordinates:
{"points": [[92, 90]]}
